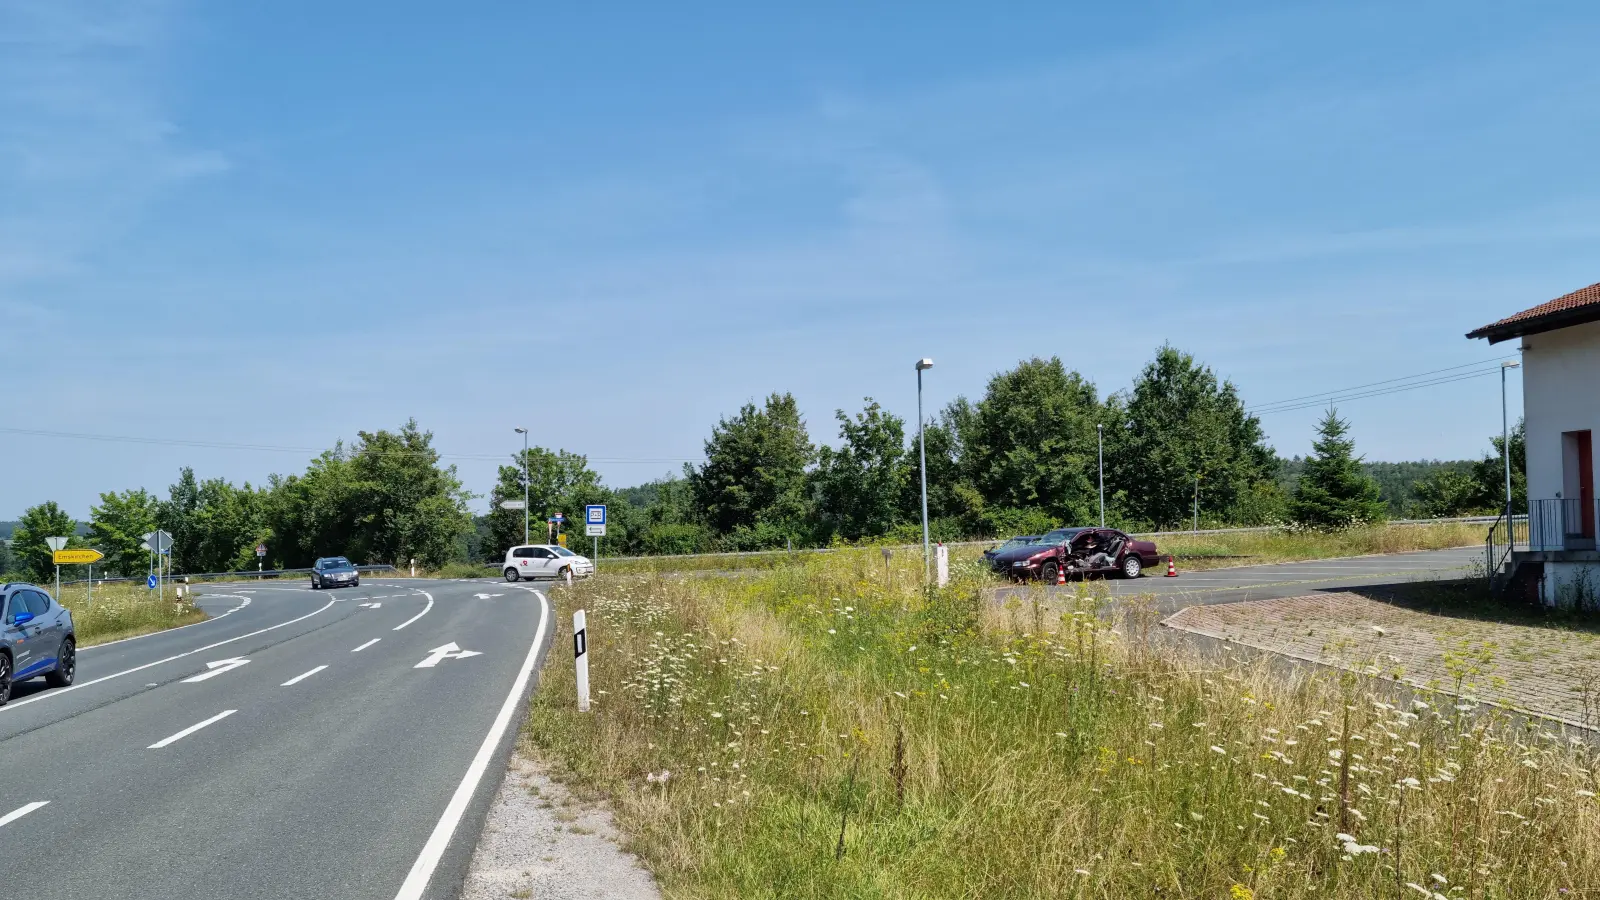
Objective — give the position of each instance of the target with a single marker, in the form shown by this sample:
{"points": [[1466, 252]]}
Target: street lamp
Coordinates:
{"points": [[525, 480], [922, 450], [1505, 443], [1100, 436]]}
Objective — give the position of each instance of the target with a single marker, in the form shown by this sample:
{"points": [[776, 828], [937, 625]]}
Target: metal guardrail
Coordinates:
{"points": [[208, 576], [737, 554]]}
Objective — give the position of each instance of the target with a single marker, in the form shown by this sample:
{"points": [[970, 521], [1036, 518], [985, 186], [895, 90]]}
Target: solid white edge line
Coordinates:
{"points": [[171, 630], [61, 692], [366, 645], [422, 870], [191, 729], [418, 615], [302, 677], [21, 811]]}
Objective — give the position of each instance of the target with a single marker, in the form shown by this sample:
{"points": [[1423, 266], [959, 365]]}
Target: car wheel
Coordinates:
{"points": [[5, 678], [66, 665], [511, 574], [356, 583], [314, 584], [1132, 566], [1049, 572]]}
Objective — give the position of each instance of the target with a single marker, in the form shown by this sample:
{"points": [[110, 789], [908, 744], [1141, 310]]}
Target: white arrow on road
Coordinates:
{"points": [[486, 596], [217, 668], [448, 651], [373, 605]]}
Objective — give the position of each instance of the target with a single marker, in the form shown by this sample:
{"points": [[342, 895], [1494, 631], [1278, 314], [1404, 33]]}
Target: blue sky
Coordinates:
{"points": [[275, 224]]}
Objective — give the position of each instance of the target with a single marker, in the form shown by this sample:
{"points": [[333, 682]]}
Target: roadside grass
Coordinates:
{"points": [[825, 730], [121, 610], [1200, 551]]}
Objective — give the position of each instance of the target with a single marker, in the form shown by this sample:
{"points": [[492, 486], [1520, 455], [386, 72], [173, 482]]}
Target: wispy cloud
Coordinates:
{"points": [[86, 139]]}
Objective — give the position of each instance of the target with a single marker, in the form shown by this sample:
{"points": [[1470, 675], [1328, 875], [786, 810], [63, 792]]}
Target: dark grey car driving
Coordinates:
{"points": [[334, 571]]}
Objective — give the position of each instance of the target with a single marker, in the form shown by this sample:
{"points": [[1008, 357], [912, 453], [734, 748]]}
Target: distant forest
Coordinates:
{"points": [[1396, 480]]}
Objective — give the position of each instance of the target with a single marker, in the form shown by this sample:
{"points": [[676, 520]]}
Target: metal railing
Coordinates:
{"points": [[1562, 523], [207, 576], [1503, 538]]}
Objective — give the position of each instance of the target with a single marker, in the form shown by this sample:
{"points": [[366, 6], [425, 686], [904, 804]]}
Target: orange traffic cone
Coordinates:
{"points": [[1172, 569], [1061, 575]]}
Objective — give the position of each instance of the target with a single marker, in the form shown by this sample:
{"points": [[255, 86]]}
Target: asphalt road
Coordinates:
{"points": [[329, 764], [1291, 579]]}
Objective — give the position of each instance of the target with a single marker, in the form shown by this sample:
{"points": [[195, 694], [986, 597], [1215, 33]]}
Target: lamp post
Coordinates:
{"points": [[525, 480], [1505, 444], [922, 451], [1100, 436]]}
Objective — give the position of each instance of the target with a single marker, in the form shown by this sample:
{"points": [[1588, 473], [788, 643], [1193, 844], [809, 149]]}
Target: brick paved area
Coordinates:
{"points": [[1547, 670]]}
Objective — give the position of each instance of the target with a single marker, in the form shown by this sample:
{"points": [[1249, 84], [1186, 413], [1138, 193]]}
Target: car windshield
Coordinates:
{"points": [[562, 551], [1022, 541], [338, 563], [1060, 535]]}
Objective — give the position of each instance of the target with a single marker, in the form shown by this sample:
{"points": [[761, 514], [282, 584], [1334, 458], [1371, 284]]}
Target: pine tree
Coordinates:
{"points": [[1333, 492]]}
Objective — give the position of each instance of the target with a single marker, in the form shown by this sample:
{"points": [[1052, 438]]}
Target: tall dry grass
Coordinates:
{"points": [[825, 730], [122, 610]]}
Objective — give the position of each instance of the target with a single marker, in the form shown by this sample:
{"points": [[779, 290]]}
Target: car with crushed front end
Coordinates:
{"points": [[37, 639], [1077, 552], [334, 571]]}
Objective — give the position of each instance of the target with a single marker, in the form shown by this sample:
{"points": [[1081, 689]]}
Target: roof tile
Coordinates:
{"points": [[1581, 298]]}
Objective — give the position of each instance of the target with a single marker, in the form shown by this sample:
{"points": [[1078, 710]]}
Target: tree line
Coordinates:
{"points": [[1178, 443]]}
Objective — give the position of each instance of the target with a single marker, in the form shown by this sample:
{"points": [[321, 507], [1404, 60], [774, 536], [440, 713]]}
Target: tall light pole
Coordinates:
{"points": [[1100, 435], [922, 451], [525, 480], [1505, 443]]}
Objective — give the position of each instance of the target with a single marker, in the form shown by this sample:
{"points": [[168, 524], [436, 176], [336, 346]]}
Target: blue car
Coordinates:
{"points": [[36, 638]]}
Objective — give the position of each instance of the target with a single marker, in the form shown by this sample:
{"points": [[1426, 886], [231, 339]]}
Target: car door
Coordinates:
{"points": [[544, 562], [18, 638], [46, 639]]}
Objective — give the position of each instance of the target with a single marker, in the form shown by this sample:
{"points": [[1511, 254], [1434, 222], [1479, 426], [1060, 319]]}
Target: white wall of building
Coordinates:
{"points": [[1560, 393]]}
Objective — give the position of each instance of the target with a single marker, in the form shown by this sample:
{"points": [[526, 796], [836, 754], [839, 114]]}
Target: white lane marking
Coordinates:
{"points": [[191, 729], [61, 692], [486, 596], [420, 614], [366, 645], [21, 811], [448, 651], [217, 667], [422, 870], [302, 677], [242, 605], [372, 606]]}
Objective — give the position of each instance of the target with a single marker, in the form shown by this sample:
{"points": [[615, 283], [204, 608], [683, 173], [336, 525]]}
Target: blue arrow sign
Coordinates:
{"points": [[150, 582]]}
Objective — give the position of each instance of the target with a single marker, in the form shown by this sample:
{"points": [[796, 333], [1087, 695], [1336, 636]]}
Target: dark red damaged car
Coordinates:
{"points": [[1077, 552]]}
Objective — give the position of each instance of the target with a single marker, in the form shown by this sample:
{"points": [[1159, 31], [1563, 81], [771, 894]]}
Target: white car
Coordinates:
{"points": [[545, 561]]}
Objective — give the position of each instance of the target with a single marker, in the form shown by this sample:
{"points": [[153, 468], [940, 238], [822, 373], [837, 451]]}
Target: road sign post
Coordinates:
{"points": [[56, 543], [159, 543], [261, 554], [580, 655], [594, 523], [79, 558]]}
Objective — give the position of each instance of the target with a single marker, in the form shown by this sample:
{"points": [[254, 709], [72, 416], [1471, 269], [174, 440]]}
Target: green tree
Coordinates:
{"points": [[1478, 487], [559, 481], [1179, 422], [859, 486], [1333, 491], [669, 522], [1030, 442], [1449, 492], [406, 505], [32, 554], [753, 479], [117, 528]]}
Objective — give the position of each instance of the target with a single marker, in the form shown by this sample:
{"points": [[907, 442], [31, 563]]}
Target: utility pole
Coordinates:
{"points": [[1505, 447], [1196, 527], [525, 481], [922, 451], [1100, 436]]}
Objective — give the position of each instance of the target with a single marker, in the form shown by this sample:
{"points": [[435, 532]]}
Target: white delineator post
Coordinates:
{"points": [[941, 562], [413, 567], [580, 654]]}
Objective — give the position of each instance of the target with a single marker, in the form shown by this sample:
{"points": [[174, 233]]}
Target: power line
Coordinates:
{"points": [[268, 448], [1267, 407], [1399, 389]]}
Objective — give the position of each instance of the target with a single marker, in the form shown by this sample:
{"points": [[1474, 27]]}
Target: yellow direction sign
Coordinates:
{"points": [[78, 557]]}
